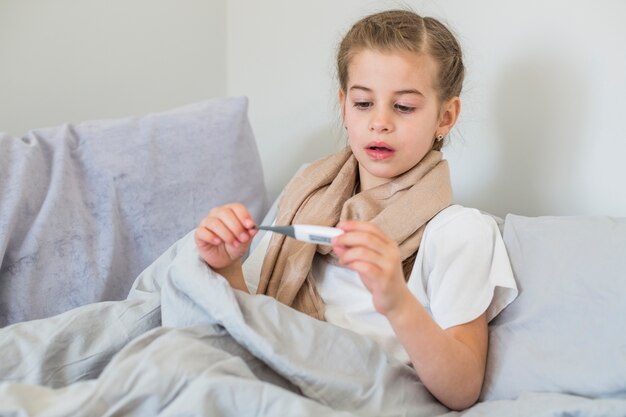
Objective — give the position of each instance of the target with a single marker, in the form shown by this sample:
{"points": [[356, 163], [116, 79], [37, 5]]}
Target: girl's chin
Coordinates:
{"points": [[383, 173]]}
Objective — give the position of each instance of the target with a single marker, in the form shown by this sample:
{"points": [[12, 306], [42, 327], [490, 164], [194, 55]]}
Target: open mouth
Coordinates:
{"points": [[379, 145], [379, 151]]}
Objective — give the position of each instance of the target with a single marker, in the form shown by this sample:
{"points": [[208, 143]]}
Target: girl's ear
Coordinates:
{"points": [[342, 103], [449, 115]]}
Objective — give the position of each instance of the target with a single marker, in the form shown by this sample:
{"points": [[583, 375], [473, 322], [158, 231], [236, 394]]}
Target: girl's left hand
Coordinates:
{"points": [[366, 249]]}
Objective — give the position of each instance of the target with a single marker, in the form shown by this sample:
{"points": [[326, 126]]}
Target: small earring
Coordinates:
{"points": [[439, 138]]}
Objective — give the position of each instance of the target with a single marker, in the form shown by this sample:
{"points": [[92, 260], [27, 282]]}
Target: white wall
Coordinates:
{"points": [[540, 130], [73, 60]]}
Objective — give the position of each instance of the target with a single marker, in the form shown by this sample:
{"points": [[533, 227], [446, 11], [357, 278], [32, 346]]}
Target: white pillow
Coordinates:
{"points": [[86, 208], [566, 332]]}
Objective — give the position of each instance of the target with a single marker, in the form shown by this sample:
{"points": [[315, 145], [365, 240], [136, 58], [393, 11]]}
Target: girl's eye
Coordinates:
{"points": [[404, 109], [362, 104]]}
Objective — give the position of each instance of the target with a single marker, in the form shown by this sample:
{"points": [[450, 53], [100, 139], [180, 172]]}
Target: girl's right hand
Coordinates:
{"points": [[224, 235]]}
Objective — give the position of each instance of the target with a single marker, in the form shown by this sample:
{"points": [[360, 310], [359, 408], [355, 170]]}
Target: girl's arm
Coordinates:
{"points": [[234, 275], [450, 363]]}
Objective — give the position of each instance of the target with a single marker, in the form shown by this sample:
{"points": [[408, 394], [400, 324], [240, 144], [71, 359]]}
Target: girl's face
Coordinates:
{"points": [[392, 112]]}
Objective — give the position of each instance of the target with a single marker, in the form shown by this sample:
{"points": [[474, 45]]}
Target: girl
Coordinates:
{"points": [[417, 274]]}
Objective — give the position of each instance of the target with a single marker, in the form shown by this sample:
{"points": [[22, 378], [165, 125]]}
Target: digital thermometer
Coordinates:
{"points": [[320, 235]]}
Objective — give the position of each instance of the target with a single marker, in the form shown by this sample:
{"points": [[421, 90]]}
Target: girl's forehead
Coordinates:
{"points": [[393, 68]]}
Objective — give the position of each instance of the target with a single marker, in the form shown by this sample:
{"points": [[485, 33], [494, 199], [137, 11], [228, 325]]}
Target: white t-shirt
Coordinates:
{"points": [[461, 270]]}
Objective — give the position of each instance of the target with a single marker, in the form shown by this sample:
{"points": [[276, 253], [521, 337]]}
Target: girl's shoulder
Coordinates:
{"points": [[458, 219]]}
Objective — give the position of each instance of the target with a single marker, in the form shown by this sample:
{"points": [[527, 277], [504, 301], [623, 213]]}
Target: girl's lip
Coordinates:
{"points": [[379, 153], [379, 144]]}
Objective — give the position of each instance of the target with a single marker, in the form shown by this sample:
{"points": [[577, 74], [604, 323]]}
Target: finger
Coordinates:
{"points": [[358, 238], [231, 219], [205, 237], [366, 269], [240, 222], [359, 253], [242, 214], [215, 225]]}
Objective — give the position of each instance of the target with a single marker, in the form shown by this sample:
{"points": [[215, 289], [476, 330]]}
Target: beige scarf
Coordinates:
{"points": [[322, 194]]}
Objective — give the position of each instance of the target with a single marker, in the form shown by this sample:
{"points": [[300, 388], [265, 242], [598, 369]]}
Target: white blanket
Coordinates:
{"points": [[185, 343]]}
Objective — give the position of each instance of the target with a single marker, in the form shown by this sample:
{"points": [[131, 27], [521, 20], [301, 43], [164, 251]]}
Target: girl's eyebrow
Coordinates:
{"points": [[398, 93]]}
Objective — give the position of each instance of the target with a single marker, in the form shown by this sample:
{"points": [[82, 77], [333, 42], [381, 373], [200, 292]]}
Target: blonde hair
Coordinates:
{"points": [[404, 30]]}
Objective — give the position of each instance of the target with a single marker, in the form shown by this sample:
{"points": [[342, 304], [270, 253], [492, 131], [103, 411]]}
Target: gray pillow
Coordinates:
{"points": [[566, 332], [84, 209]]}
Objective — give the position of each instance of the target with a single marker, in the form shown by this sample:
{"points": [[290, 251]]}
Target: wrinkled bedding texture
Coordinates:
{"points": [[185, 343]]}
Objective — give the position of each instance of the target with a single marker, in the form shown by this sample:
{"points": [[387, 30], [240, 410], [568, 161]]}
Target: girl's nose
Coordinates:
{"points": [[381, 122]]}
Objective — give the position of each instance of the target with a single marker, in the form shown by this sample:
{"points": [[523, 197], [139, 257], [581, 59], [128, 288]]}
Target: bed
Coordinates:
{"points": [[106, 309]]}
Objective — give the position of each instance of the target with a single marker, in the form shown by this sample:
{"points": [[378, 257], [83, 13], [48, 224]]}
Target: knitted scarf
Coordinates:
{"points": [[322, 194]]}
